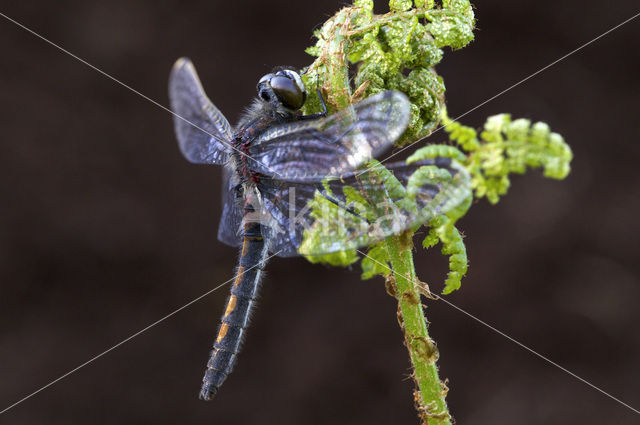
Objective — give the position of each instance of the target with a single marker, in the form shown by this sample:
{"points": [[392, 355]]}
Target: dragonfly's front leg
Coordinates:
{"points": [[324, 106]]}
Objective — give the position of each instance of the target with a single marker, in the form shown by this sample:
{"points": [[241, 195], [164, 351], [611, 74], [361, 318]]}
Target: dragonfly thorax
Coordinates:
{"points": [[242, 161], [281, 94]]}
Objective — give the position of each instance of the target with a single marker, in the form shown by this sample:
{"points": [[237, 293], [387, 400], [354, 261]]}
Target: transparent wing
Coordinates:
{"points": [[305, 151], [229, 229], [203, 133], [359, 209]]}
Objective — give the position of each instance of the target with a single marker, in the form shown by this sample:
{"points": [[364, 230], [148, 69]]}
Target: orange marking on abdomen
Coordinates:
{"points": [[245, 247], [231, 305], [223, 331], [239, 276]]}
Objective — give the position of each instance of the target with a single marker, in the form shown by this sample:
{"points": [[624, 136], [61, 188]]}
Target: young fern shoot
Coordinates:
{"points": [[398, 50]]}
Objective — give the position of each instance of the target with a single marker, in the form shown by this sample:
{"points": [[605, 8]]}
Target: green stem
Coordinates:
{"points": [[430, 393]]}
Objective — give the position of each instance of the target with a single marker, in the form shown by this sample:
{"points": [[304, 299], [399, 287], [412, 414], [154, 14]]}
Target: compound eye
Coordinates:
{"points": [[287, 91]]}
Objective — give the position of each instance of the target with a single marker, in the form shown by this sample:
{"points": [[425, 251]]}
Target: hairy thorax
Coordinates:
{"points": [[259, 117]]}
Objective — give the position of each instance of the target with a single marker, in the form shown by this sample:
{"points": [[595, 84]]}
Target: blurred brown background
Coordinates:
{"points": [[105, 228]]}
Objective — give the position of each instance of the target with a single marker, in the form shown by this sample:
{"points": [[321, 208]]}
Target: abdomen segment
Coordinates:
{"points": [[236, 315]]}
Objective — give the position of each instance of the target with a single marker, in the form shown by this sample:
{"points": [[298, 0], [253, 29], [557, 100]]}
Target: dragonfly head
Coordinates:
{"points": [[283, 89]]}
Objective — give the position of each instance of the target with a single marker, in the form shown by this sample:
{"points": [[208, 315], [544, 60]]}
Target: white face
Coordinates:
{"points": [[265, 78]]}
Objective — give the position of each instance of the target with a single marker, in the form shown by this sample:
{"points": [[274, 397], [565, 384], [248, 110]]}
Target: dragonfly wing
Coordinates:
{"points": [[361, 208], [284, 202], [305, 151], [229, 230], [203, 133]]}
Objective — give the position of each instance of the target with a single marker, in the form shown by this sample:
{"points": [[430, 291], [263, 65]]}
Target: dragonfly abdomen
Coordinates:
{"points": [[236, 316]]}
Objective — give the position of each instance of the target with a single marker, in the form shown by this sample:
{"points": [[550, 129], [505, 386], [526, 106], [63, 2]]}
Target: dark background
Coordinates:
{"points": [[105, 228]]}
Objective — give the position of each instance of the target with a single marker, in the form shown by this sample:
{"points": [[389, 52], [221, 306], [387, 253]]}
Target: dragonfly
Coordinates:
{"points": [[296, 184]]}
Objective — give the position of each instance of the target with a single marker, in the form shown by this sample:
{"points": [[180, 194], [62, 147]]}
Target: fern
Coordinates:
{"points": [[398, 51]]}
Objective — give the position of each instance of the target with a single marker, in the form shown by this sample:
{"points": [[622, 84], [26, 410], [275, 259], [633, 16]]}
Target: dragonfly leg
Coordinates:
{"points": [[324, 105]]}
